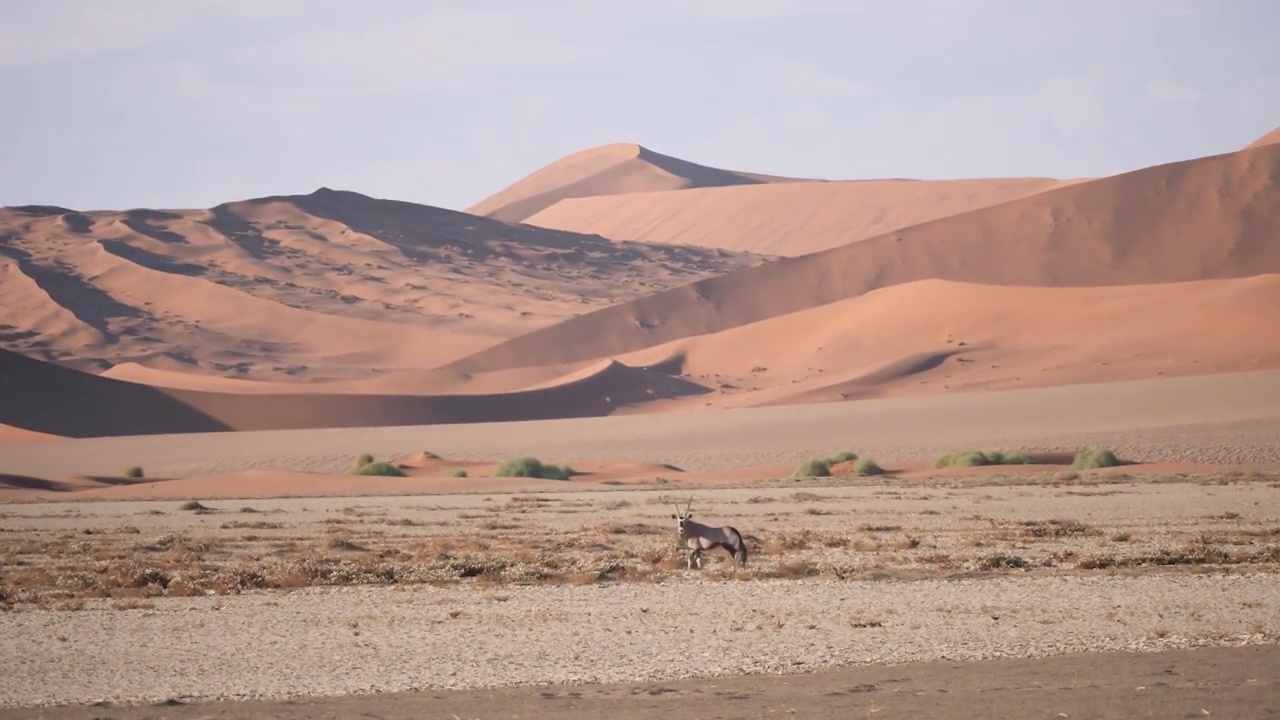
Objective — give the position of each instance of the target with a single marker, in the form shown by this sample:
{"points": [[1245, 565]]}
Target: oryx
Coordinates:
{"points": [[698, 537]]}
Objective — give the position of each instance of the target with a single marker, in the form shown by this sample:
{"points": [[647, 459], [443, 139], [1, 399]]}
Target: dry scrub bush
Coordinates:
{"points": [[822, 467], [975, 458], [384, 469], [532, 467], [1091, 458]]}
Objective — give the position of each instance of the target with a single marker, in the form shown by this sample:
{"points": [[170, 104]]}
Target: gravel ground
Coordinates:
{"points": [[377, 639]]}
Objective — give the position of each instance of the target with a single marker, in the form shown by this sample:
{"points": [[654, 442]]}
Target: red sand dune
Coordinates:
{"points": [[605, 170], [329, 286], [1271, 138], [44, 397], [337, 310], [9, 433], [786, 219], [933, 336], [920, 337], [1212, 217]]}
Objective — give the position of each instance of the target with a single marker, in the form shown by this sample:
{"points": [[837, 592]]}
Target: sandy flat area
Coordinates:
{"points": [[1206, 682], [1223, 418], [367, 640], [840, 576]]}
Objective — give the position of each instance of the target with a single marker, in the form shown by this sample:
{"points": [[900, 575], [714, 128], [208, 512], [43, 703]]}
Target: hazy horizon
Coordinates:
{"points": [[146, 103]]}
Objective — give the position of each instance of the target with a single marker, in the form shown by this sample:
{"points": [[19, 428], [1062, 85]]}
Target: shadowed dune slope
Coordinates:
{"points": [[327, 286], [786, 219], [605, 170], [1271, 138], [1212, 217], [43, 397], [932, 336]]}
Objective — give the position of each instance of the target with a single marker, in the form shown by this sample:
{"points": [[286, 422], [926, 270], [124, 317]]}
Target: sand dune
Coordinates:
{"points": [[1271, 138], [934, 336], [786, 219], [319, 287], [1212, 217], [44, 397], [606, 170], [9, 433]]}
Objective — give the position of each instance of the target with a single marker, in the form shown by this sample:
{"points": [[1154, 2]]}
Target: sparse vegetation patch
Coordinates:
{"points": [[532, 467], [976, 458], [823, 467], [1091, 458], [379, 468]]}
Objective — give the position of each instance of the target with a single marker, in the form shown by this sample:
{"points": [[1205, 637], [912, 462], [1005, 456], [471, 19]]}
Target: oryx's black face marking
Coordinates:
{"points": [[680, 518]]}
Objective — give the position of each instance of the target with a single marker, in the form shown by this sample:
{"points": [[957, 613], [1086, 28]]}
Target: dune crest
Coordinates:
{"points": [[1211, 217], [605, 170], [786, 219], [1271, 138]]}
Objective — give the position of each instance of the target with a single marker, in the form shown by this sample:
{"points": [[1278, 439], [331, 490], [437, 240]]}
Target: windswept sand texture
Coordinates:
{"points": [[786, 219], [1210, 218], [327, 286]]}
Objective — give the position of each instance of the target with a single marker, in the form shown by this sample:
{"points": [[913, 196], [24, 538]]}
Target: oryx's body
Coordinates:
{"points": [[698, 537]]}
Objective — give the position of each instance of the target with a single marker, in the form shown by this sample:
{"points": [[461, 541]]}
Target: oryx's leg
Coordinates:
{"points": [[695, 559]]}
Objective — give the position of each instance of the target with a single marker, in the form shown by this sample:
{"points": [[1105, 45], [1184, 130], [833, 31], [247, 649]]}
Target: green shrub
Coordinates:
{"points": [[379, 468], [459, 473], [1018, 457], [842, 457], [814, 467], [532, 467], [133, 472], [867, 466], [1089, 458], [975, 458]]}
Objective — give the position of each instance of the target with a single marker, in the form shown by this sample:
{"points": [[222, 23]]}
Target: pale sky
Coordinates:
{"points": [[112, 104]]}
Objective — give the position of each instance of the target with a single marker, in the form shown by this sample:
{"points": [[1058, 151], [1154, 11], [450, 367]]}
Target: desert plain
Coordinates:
{"points": [[997, 447]]}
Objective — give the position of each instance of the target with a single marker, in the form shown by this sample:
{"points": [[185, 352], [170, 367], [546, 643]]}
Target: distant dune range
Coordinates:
{"points": [[326, 286], [1213, 217], [338, 310]]}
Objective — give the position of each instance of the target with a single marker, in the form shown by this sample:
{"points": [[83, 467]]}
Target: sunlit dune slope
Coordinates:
{"points": [[327, 286], [1271, 138], [932, 336], [606, 170], [785, 219], [1212, 217]]}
